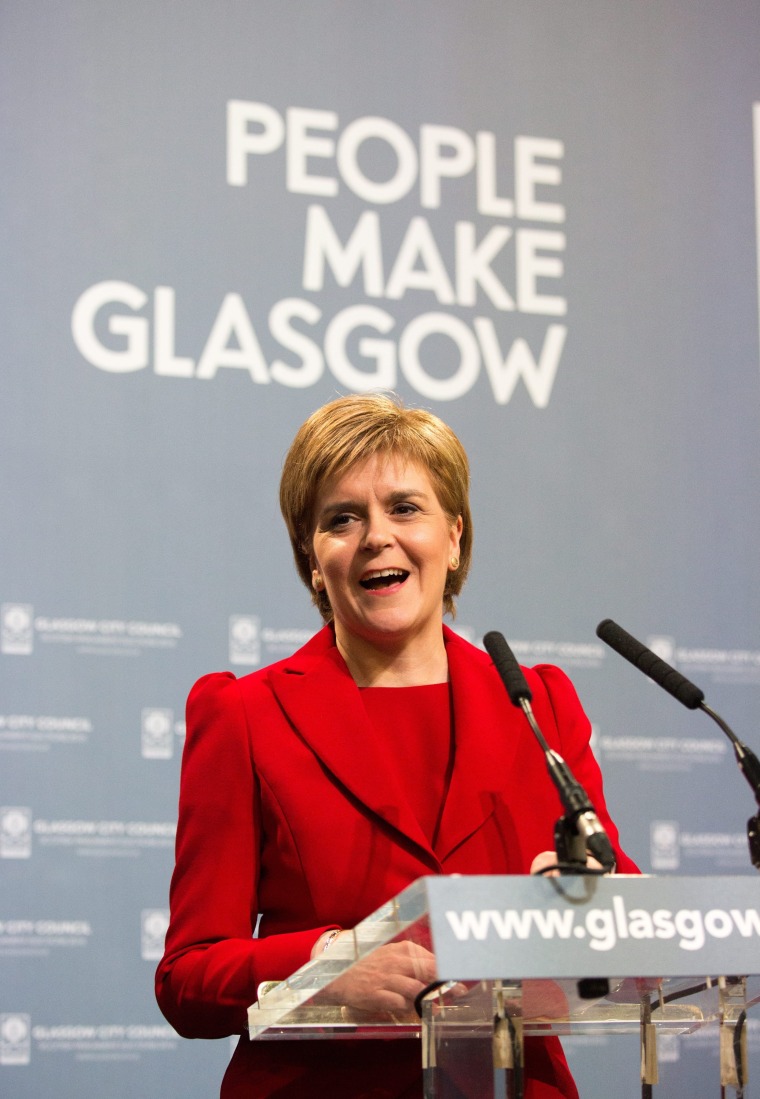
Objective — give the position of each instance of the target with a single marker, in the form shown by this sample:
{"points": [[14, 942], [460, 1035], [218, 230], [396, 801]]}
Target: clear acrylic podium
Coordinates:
{"points": [[524, 956]]}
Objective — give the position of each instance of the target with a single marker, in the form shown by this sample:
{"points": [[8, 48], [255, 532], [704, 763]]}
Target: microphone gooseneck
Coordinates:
{"points": [[581, 818], [694, 699]]}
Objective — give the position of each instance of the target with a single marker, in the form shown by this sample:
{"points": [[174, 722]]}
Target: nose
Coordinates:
{"points": [[378, 532]]}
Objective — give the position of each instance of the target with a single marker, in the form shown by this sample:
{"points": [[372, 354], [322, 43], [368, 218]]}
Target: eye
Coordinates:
{"points": [[405, 509], [340, 521]]}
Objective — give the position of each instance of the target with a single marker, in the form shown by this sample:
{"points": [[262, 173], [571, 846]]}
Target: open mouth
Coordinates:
{"points": [[383, 578]]}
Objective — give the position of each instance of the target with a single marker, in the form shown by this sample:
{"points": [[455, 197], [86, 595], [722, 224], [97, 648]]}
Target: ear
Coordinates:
{"points": [[307, 548], [456, 534]]}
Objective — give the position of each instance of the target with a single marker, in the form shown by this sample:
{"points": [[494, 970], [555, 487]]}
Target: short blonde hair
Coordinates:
{"points": [[352, 429]]}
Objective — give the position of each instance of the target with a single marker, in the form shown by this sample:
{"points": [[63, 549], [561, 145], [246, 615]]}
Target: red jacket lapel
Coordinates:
{"points": [[484, 749], [323, 705]]}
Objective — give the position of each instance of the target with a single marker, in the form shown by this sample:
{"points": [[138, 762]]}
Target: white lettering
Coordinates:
{"points": [[64, 827], [531, 266], [530, 172], [489, 203], [605, 926], [302, 145], [63, 927], [445, 152], [165, 362], [469, 924], [473, 265], [747, 922], [145, 828], [140, 1032], [600, 924], [134, 356], [400, 183], [520, 363], [112, 627], [64, 1033], [233, 342], [363, 248], [718, 923], [419, 245], [153, 629], [662, 920], [382, 352], [465, 373], [232, 322], [110, 1032], [312, 363], [691, 929], [554, 921], [434, 166], [241, 142], [618, 907], [640, 924]]}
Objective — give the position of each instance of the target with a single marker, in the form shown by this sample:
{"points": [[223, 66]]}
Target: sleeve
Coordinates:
{"points": [[212, 965], [573, 733]]}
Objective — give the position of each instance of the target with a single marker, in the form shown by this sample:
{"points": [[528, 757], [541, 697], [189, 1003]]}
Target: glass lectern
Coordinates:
{"points": [[522, 956]]}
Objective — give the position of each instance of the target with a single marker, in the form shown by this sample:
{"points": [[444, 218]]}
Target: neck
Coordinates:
{"points": [[407, 664]]}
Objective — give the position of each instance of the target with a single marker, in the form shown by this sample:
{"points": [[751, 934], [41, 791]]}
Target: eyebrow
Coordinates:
{"points": [[395, 497]]}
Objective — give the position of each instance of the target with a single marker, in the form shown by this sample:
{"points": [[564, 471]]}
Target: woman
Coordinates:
{"points": [[383, 750]]}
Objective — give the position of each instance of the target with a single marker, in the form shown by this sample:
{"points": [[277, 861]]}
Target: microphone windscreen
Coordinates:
{"points": [[506, 665], [650, 664]]}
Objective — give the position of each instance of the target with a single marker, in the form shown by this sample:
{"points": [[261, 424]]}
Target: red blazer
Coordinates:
{"points": [[288, 808]]}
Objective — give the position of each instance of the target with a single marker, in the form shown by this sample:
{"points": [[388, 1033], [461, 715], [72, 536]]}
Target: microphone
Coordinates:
{"points": [[580, 820], [650, 664], [694, 699], [506, 665], [681, 688]]}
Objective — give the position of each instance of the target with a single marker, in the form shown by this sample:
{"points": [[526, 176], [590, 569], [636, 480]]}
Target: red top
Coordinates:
{"points": [[416, 733]]}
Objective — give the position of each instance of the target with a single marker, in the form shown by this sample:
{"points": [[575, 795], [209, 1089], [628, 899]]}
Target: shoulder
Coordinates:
{"points": [[546, 680], [218, 689], [550, 684], [558, 709], [555, 700]]}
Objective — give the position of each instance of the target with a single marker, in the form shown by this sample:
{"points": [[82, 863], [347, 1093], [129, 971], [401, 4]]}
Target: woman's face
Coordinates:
{"points": [[382, 545]]}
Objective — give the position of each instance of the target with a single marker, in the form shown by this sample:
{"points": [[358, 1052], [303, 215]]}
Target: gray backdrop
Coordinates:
{"points": [[538, 220]]}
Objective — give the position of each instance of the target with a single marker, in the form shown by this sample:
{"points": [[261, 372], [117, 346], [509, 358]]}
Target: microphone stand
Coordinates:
{"points": [[693, 698], [578, 830], [750, 768], [569, 838]]}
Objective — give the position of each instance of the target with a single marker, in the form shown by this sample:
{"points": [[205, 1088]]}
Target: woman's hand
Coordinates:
{"points": [[549, 858], [387, 981]]}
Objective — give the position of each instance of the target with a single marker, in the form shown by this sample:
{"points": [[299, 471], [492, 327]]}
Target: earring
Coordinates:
{"points": [[316, 580], [454, 563]]}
